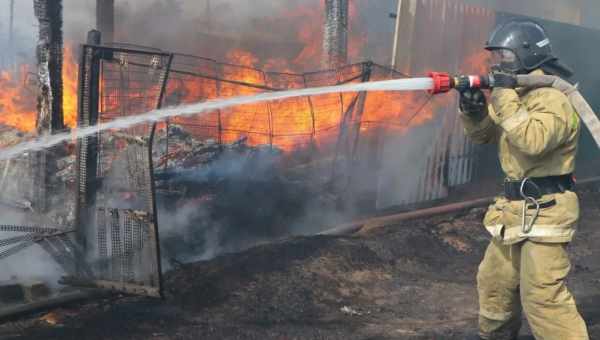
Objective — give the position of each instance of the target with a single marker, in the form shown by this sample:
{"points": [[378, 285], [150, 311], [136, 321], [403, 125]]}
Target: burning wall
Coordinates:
{"points": [[295, 45], [291, 123], [297, 123], [302, 50]]}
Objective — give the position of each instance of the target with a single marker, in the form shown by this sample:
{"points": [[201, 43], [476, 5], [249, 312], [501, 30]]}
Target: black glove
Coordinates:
{"points": [[473, 103], [503, 80]]}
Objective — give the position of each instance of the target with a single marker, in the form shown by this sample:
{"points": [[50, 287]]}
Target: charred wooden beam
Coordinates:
{"points": [[55, 301], [49, 55], [335, 36]]}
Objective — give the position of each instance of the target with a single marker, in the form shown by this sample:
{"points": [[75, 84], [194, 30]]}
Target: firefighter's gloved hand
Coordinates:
{"points": [[503, 80], [473, 104]]}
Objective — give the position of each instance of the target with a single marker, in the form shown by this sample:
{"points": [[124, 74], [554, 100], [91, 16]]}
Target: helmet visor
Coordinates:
{"points": [[506, 59]]}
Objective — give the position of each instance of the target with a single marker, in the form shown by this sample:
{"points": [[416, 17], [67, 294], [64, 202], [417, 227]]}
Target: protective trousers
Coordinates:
{"points": [[529, 276]]}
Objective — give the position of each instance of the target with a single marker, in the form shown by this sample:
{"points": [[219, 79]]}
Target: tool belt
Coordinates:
{"points": [[536, 187]]}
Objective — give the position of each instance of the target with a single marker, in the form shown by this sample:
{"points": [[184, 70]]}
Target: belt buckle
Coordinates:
{"points": [[525, 226]]}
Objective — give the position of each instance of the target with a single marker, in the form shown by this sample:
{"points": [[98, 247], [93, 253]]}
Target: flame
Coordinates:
{"points": [[18, 96], [286, 124], [309, 34], [477, 63], [70, 78], [17, 100], [242, 58], [262, 123]]}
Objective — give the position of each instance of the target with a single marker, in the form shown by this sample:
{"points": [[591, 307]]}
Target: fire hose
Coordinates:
{"points": [[443, 82]]}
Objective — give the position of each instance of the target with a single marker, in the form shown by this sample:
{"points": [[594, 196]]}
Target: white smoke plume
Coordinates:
{"points": [[31, 264], [208, 28]]}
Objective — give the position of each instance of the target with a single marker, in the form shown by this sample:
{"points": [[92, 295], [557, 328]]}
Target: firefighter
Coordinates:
{"points": [[537, 131]]}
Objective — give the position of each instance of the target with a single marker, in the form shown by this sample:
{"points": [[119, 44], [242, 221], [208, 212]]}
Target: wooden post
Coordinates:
{"points": [[335, 34], [49, 55], [403, 39]]}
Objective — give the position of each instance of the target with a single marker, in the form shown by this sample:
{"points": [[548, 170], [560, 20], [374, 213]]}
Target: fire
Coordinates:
{"points": [[242, 58], [309, 34], [477, 63], [70, 79], [18, 95], [285, 124], [282, 123], [17, 100]]}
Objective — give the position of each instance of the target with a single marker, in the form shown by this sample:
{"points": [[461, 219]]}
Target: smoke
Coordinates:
{"points": [[400, 150], [211, 28], [244, 198], [24, 39], [31, 264], [289, 29], [19, 207]]}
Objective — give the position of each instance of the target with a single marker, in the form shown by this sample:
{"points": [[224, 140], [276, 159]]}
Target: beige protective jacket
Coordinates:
{"points": [[537, 133]]}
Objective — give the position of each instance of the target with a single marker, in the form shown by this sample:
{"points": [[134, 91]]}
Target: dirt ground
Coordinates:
{"points": [[411, 281]]}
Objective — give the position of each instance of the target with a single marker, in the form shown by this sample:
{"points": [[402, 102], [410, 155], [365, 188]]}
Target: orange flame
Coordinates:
{"points": [[17, 100], [70, 78], [477, 63], [285, 124], [18, 97]]}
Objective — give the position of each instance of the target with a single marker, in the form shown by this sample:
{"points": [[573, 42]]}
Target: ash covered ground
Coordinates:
{"points": [[410, 281]]}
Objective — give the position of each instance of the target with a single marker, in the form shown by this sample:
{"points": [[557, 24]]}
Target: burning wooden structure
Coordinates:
{"points": [[50, 57]]}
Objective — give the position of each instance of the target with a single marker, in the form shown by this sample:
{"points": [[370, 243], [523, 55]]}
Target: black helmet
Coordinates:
{"points": [[528, 42]]}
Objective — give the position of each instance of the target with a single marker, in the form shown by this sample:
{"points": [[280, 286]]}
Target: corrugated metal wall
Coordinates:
{"points": [[566, 11], [446, 35]]}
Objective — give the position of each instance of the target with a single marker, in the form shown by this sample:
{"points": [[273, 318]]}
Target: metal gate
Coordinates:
{"points": [[116, 207]]}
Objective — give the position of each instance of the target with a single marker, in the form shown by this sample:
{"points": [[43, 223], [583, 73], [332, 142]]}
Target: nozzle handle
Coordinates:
{"points": [[462, 83]]}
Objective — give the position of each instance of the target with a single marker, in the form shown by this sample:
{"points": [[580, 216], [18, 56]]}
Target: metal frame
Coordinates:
{"points": [[349, 134], [128, 253]]}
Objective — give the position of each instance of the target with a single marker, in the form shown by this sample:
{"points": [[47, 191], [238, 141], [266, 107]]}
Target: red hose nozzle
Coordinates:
{"points": [[442, 82]]}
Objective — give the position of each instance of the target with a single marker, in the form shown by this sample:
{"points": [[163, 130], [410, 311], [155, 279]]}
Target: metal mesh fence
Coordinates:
{"points": [[286, 124], [347, 131], [116, 204], [342, 128]]}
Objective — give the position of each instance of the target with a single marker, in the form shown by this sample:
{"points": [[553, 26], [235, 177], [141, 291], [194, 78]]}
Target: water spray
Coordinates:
{"points": [[436, 83], [409, 84]]}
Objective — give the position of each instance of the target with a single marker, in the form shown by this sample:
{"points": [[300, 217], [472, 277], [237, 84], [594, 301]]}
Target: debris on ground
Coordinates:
{"points": [[399, 282]]}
